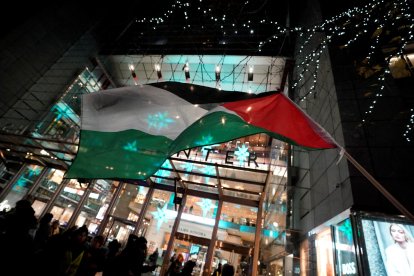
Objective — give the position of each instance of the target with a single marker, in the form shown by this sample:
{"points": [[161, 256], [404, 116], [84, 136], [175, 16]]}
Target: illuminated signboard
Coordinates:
{"points": [[344, 249], [389, 246]]}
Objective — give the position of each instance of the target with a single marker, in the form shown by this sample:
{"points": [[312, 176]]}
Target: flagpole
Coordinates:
{"points": [[377, 185]]}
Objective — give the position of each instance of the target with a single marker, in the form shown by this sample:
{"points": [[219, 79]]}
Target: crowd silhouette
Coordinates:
{"points": [[38, 247]]}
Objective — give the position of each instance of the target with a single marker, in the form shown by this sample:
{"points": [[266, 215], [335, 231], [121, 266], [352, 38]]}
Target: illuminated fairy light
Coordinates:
{"points": [[375, 13], [409, 127]]}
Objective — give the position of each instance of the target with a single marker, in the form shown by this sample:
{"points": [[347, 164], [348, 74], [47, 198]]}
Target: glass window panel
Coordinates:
{"points": [[23, 184], [95, 207], [47, 187], [67, 201]]}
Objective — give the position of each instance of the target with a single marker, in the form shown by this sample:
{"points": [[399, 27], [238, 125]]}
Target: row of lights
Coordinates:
{"points": [[186, 69]]}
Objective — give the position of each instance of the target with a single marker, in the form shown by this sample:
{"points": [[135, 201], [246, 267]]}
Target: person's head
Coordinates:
{"points": [[227, 270], [180, 258], [399, 234], [114, 245], [98, 241], [46, 219], [55, 224], [136, 244], [80, 235]]}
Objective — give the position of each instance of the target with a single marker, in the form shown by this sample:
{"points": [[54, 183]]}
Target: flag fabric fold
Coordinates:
{"points": [[129, 132]]}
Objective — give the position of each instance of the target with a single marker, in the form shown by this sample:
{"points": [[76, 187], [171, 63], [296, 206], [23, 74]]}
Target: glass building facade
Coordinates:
{"points": [[214, 204]]}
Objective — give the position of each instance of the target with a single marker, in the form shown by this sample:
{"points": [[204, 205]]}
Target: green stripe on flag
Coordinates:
{"points": [[126, 154], [218, 127]]}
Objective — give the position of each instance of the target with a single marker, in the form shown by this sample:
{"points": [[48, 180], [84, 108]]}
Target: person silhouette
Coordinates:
{"points": [[176, 265], [217, 271], [227, 270], [130, 262], [16, 241], [188, 268]]}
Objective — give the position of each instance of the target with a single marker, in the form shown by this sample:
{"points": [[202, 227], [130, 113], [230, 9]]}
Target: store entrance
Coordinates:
{"points": [[239, 256], [192, 248], [119, 228], [195, 248]]}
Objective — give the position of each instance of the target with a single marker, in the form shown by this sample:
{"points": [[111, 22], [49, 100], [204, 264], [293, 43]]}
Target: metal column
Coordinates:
{"points": [[212, 246], [257, 238], [37, 182], [111, 205], [52, 200], [166, 261], [144, 208], [78, 209]]}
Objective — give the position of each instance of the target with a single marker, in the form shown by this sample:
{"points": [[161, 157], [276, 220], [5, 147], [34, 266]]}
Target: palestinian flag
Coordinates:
{"points": [[129, 132]]}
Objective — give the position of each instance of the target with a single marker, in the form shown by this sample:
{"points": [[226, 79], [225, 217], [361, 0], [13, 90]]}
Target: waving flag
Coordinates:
{"points": [[129, 132]]}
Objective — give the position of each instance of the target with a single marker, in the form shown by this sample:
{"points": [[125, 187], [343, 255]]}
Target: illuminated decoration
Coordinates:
{"points": [[205, 140], [209, 170], [164, 173], [188, 167], [242, 153], [346, 229], [206, 204], [158, 70], [20, 183], [410, 126], [133, 74], [161, 215], [187, 72], [62, 112], [131, 146], [250, 74], [159, 120], [33, 171], [218, 69]]}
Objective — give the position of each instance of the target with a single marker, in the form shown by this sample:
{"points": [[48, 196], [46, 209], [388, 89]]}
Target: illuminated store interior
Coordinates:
{"points": [[228, 186]]}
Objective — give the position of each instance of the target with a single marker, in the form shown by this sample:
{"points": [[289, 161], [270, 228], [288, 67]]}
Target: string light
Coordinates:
{"points": [[374, 21]]}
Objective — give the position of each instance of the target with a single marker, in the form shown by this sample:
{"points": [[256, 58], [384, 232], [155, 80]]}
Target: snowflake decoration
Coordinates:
{"points": [[160, 215], [206, 204], [131, 146], [209, 170], [205, 140], [159, 120], [241, 153]]}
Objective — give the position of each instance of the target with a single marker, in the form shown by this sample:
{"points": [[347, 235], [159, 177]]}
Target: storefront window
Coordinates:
{"points": [[159, 220], [95, 206], [67, 201], [324, 256], [22, 185], [235, 246], [47, 187], [124, 216]]}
